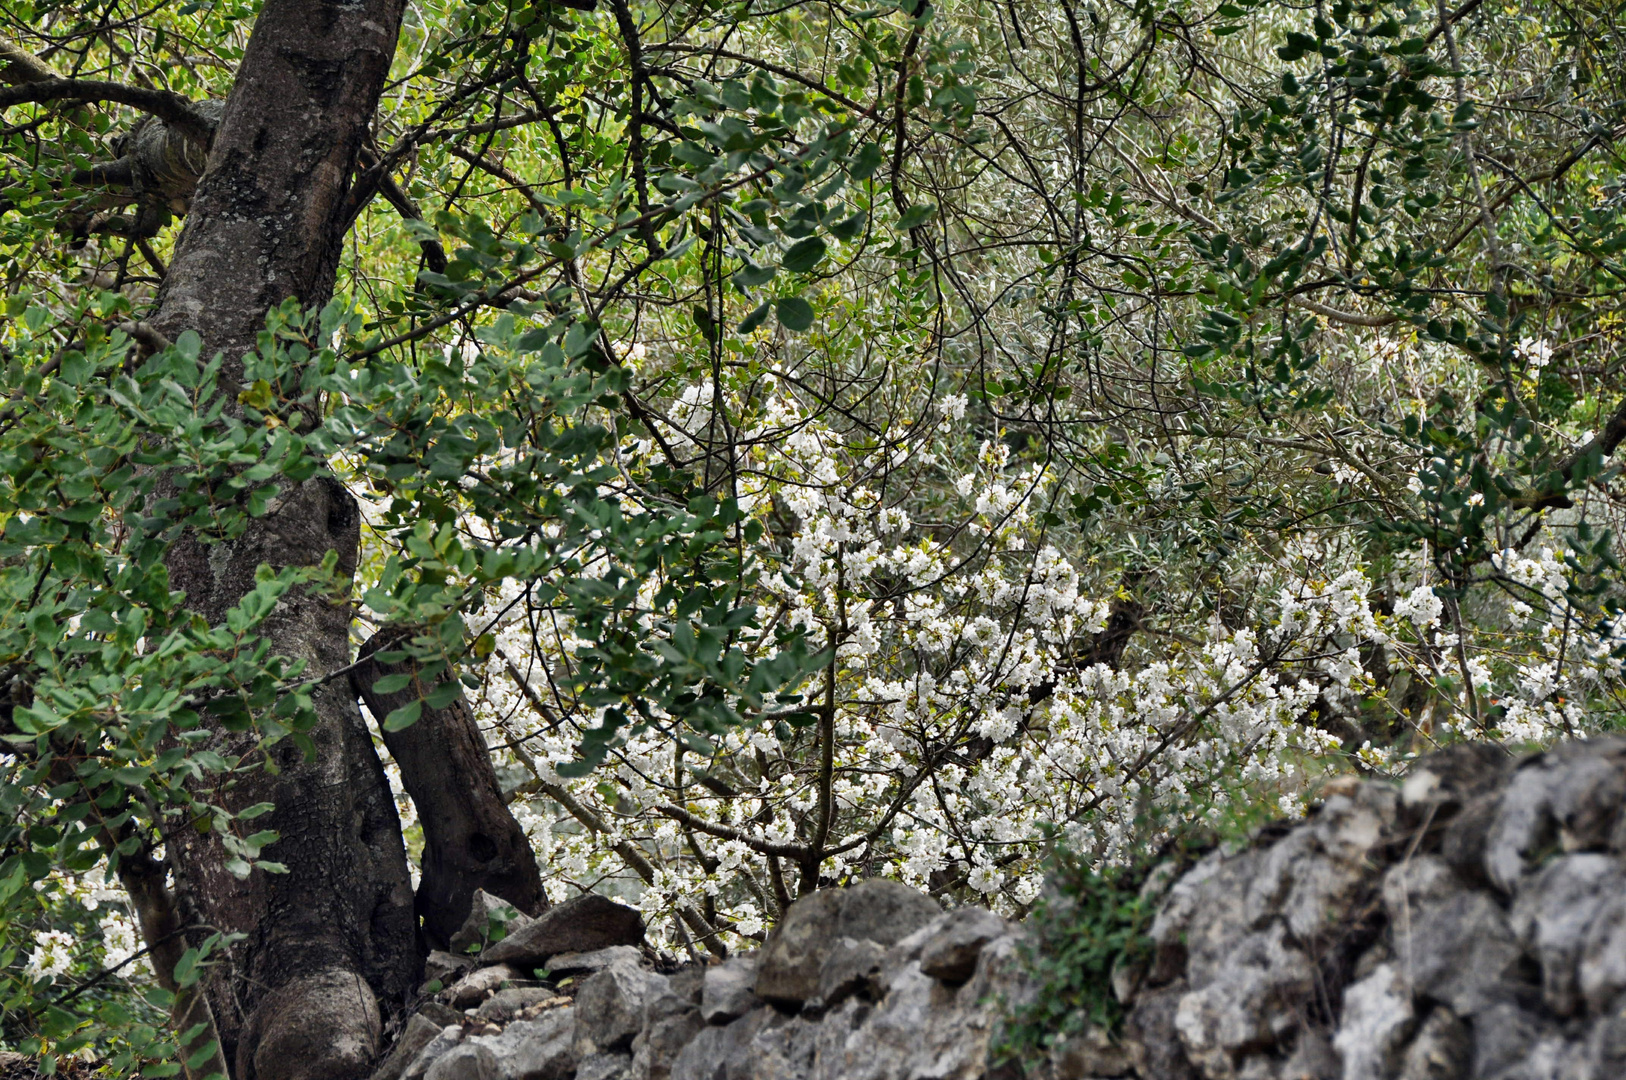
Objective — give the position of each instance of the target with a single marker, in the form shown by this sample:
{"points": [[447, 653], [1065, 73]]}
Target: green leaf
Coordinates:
{"points": [[443, 695], [391, 684], [757, 317], [849, 227], [866, 161], [752, 275], [795, 314], [915, 216], [404, 717], [186, 968], [205, 1052], [803, 255]]}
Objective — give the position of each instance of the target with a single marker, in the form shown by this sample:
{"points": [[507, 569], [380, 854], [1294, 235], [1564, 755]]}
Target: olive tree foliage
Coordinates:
{"points": [[821, 442]]}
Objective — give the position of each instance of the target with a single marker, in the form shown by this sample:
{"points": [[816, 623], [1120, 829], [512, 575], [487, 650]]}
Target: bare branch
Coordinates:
{"points": [[1348, 318]]}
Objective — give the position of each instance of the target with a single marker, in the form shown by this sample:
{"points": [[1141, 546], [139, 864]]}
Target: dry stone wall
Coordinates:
{"points": [[868, 983], [1469, 924]]}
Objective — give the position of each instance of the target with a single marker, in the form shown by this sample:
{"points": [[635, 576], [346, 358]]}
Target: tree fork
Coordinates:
{"points": [[471, 839]]}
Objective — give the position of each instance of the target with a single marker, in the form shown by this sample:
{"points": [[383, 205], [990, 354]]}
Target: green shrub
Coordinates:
{"points": [[1088, 923]]}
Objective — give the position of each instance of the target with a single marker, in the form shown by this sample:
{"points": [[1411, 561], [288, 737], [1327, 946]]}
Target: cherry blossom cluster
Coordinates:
{"points": [[969, 724]]}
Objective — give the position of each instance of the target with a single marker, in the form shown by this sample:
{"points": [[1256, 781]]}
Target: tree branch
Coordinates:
{"points": [[173, 109], [1604, 444], [794, 852], [1349, 318], [18, 65]]}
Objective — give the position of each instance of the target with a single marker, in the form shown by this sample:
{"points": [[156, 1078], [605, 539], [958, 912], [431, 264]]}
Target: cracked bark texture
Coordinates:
{"points": [[331, 945]]}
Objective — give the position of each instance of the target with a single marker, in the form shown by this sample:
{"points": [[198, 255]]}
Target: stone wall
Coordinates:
{"points": [[866, 983], [1467, 925]]}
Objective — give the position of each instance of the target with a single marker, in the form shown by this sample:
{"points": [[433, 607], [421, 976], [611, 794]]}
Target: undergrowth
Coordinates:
{"points": [[1093, 920], [1086, 925]]}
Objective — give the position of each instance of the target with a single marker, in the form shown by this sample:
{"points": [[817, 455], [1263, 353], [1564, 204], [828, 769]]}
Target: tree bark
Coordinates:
{"points": [[331, 944], [470, 838]]}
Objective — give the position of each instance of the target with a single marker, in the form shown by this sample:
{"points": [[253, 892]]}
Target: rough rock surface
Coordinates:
{"points": [[869, 1011], [582, 924], [576, 963], [951, 952], [476, 929], [480, 984], [880, 911], [727, 992], [1469, 924]]}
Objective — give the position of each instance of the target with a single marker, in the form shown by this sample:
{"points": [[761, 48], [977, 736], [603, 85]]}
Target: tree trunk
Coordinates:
{"points": [[331, 942], [470, 838]]}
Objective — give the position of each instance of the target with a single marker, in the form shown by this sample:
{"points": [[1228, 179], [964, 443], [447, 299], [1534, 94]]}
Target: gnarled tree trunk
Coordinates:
{"points": [[331, 944]]}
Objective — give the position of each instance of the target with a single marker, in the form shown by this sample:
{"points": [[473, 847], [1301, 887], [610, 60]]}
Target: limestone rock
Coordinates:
{"points": [[923, 1027], [506, 1005], [1447, 781], [1461, 952], [539, 1049], [788, 970], [1090, 1055], [1410, 885], [440, 1014], [1150, 1037], [687, 984], [762, 1045], [782, 1050], [466, 1061], [1377, 1018], [708, 1054], [610, 1007], [1440, 1050], [850, 967], [577, 963], [480, 984], [476, 929], [1523, 823], [445, 968], [1252, 1001], [1470, 925], [436, 1048], [1312, 876], [1474, 928], [884, 912], [670, 1023], [1553, 913], [952, 951], [605, 1067], [1602, 968], [582, 924], [418, 1032], [727, 991]]}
